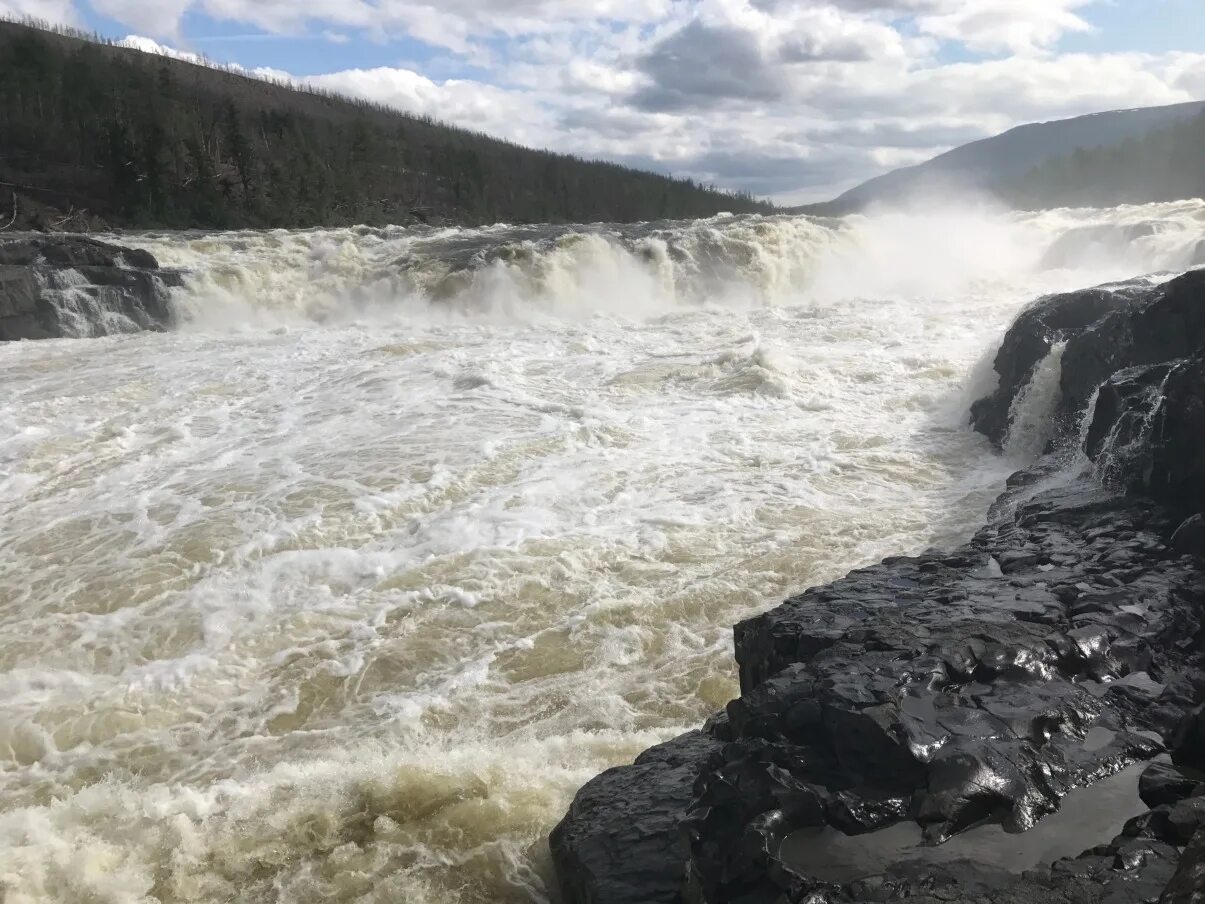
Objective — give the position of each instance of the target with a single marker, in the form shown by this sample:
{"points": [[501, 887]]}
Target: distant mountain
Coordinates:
{"points": [[98, 136], [998, 164], [1165, 164]]}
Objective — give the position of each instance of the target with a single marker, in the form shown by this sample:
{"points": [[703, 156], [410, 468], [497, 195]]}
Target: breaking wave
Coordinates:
{"points": [[501, 272]]}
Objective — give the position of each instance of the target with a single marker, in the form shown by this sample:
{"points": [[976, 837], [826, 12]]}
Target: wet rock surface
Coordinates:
{"points": [[1063, 644], [1188, 885], [623, 836], [1164, 784], [72, 286], [1060, 646], [1106, 330]]}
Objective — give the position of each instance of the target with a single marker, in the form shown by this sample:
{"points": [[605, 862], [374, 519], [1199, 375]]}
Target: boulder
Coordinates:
{"points": [[622, 841], [1189, 742], [1163, 783], [1188, 884], [1186, 818]]}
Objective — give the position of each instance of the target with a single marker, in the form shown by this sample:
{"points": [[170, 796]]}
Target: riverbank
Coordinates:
{"points": [[959, 690]]}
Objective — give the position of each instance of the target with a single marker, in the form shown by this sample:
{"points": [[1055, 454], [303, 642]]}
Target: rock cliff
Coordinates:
{"points": [[71, 286]]}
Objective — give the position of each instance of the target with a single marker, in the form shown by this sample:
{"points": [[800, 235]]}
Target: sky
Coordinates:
{"points": [[795, 100]]}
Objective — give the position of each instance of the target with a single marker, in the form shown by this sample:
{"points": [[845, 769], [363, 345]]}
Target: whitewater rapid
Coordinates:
{"points": [[340, 590]]}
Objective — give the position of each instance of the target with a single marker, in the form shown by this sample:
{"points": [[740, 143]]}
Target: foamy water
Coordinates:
{"points": [[341, 590]]}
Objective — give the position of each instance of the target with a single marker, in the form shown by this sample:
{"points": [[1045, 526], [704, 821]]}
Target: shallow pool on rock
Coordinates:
{"points": [[1088, 817]]}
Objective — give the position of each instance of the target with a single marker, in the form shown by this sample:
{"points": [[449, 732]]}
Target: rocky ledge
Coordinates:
{"points": [[897, 729], [72, 286]]}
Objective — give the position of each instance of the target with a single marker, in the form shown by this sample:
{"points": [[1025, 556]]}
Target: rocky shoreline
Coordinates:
{"points": [[67, 286], [1060, 651]]}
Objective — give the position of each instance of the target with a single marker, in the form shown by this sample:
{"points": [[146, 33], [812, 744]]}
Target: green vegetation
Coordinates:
{"points": [[1166, 164], [95, 135]]}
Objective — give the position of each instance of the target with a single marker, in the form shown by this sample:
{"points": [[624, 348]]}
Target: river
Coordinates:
{"points": [[341, 589]]}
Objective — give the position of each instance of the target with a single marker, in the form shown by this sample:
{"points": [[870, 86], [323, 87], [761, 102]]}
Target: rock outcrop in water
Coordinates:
{"points": [[71, 286], [1063, 645], [1105, 331]]}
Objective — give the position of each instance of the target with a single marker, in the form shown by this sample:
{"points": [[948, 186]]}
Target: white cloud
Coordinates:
{"points": [[473, 105], [59, 12], [1187, 72], [149, 45], [1017, 26], [453, 24], [157, 17]]}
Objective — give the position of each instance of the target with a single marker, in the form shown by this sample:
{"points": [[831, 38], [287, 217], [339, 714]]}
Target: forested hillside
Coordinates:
{"points": [[94, 135], [1164, 165]]}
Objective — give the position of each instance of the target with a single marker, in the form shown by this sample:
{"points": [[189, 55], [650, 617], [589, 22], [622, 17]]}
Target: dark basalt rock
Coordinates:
{"points": [[1125, 406], [71, 251], [1106, 330], [1190, 741], [1188, 885], [937, 688], [1189, 537], [72, 286], [621, 842], [1146, 434], [1165, 323], [1031, 338], [1125, 871], [1177, 472], [1063, 644], [1164, 784], [1186, 818]]}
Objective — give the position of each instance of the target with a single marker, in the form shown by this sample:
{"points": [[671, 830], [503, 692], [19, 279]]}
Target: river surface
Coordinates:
{"points": [[339, 591]]}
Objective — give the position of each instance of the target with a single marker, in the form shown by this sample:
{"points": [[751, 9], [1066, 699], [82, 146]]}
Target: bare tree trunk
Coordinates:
{"points": [[14, 219]]}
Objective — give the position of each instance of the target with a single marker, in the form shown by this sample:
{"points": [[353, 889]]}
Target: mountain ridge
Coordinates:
{"points": [[994, 164]]}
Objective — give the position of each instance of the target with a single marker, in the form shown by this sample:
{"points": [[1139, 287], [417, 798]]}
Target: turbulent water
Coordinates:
{"points": [[339, 591]]}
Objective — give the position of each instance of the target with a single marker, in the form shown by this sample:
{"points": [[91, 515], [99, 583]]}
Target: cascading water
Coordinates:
{"points": [[508, 273], [85, 310], [1125, 447], [1032, 421], [339, 591]]}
